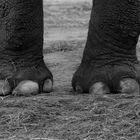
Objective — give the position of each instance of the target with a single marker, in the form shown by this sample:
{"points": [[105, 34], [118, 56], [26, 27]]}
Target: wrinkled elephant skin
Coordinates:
{"points": [[22, 68], [109, 62]]}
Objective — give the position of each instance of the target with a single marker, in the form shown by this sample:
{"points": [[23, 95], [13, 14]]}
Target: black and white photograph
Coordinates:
{"points": [[69, 70]]}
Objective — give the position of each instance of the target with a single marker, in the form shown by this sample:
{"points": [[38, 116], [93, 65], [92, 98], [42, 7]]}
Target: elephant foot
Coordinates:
{"points": [[28, 87], [27, 82], [106, 79]]}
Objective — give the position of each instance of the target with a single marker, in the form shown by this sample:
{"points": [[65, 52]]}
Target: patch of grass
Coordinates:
{"points": [[71, 117], [63, 46]]}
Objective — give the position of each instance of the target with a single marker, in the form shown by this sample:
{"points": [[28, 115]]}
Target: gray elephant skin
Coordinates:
{"points": [[109, 62]]}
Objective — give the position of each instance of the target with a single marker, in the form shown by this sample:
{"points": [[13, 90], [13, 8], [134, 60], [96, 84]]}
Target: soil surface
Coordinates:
{"points": [[63, 114]]}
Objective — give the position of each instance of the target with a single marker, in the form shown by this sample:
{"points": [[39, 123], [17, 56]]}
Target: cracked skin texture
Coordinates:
{"points": [[110, 53]]}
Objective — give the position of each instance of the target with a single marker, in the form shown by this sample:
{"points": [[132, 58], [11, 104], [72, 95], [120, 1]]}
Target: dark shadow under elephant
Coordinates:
{"points": [[109, 62]]}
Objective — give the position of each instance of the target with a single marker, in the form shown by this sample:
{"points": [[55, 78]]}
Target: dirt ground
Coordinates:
{"points": [[62, 114]]}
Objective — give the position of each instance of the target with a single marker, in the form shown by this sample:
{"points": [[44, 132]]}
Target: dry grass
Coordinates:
{"points": [[63, 46], [71, 117]]}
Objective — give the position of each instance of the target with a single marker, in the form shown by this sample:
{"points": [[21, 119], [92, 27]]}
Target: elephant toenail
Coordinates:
{"points": [[99, 88], [78, 89], [4, 88], [48, 86], [129, 85], [26, 88]]}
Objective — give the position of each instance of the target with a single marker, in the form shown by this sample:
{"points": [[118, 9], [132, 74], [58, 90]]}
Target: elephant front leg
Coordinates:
{"points": [[22, 68], [109, 62]]}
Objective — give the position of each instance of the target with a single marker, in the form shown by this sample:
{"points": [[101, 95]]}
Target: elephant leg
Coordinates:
{"points": [[109, 62], [22, 68]]}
